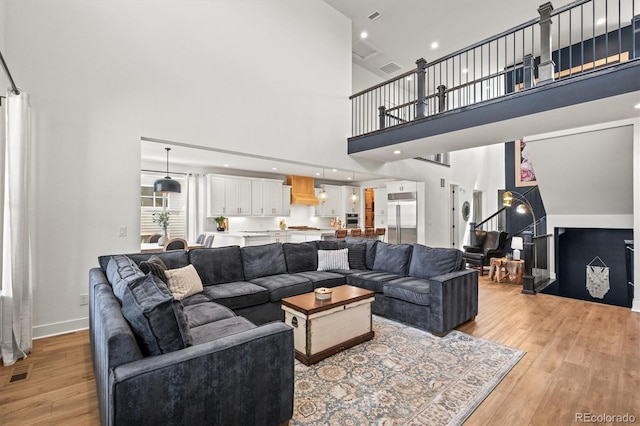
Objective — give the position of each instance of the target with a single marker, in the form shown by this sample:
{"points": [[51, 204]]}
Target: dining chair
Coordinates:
{"points": [[176, 244], [341, 233], [369, 232], [380, 232], [153, 238], [355, 232], [208, 241], [200, 239]]}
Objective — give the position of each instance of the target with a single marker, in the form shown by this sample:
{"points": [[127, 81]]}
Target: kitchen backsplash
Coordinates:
{"points": [[300, 216]]}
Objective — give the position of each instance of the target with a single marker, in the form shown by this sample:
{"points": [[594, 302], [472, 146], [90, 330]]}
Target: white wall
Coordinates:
{"points": [[590, 178], [266, 77]]}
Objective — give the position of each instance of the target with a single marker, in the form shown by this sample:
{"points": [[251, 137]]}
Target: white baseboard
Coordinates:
{"points": [[635, 307], [54, 329]]}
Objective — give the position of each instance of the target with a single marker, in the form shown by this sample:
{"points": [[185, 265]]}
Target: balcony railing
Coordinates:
{"points": [[580, 37]]}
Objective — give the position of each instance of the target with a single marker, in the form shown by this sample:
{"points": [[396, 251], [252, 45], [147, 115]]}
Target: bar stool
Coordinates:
{"points": [[341, 233], [380, 232], [369, 232], [356, 232]]}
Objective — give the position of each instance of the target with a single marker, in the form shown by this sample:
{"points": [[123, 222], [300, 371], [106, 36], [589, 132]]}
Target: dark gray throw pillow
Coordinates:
{"points": [[156, 318], [154, 265], [428, 262]]}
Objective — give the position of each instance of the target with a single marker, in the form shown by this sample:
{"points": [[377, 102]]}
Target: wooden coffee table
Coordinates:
{"points": [[324, 328]]}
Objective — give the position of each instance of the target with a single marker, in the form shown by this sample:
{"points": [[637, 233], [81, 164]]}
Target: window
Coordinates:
{"points": [[152, 202]]}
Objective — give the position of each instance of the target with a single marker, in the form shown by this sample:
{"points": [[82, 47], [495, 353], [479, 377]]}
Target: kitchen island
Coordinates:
{"points": [[253, 238]]}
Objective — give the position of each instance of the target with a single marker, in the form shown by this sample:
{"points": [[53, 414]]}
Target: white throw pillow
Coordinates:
{"points": [[329, 260], [183, 282]]}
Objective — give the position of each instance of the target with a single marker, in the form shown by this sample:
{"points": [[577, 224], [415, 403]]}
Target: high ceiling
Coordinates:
{"points": [[404, 30]]}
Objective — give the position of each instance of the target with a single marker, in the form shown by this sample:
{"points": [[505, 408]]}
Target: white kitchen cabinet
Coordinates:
{"points": [[401, 186], [278, 236], [333, 206], [272, 197], [229, 196], [216, 196], [286, 200], [347, 205], [257, 195], [380, 207]]}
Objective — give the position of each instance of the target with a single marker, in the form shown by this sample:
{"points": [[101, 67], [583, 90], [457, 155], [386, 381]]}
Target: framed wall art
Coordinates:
{"points": [[525, 175]]}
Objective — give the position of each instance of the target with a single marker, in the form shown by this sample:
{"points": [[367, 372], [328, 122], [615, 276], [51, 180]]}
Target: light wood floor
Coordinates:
{"points": [[580, 357]]}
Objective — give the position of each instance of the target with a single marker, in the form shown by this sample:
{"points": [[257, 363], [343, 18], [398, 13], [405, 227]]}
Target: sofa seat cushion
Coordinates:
{"points": [[219, 329], [156, 318], [218, 265], [427, 262], [370, 280], [204, 313], [409, 289], [236, 295], [263, 260], [284, 285], [323, 278], [301, 257], [195, 299], [393, 258]]}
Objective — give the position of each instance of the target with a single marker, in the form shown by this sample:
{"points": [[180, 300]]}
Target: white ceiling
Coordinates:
{"points": [[405, 29]]}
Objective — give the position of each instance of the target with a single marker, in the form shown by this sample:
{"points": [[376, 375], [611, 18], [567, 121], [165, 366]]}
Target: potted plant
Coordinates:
{"points": [[220, 221], [162, 220]]}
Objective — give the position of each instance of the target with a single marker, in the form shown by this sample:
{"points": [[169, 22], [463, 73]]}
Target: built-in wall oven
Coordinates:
{"points": [[351, 220]]}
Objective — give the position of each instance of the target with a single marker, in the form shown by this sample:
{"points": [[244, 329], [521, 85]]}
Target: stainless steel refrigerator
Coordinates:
{"points": [[402, 213]]}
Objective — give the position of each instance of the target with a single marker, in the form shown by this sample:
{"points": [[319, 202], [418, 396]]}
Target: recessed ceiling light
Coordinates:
{"points": [[334, 170], [225, 165], [364, 34], [637, 106], [397, 151], [434, 45], [601, 21]]}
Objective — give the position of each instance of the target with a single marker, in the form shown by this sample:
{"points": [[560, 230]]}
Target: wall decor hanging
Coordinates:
{"points": [[597, 278]]}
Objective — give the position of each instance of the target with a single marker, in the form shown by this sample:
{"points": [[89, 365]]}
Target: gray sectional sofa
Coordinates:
{"points": [[223, 355]]}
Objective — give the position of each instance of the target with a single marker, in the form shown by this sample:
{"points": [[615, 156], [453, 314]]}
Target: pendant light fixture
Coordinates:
{"points": [[322, 195], [353, 197], [166, 184]]}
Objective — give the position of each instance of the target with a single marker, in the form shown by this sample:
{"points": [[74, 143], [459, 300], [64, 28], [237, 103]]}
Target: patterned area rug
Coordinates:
{"points": [[404, 376]]}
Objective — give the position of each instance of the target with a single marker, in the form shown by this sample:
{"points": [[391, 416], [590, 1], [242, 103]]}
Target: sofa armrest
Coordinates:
{"points": [[472, 249], [453, 300], [244, 378]]}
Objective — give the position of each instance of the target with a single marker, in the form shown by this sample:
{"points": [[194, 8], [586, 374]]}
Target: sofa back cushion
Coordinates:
{"points": [[121, 271], [173, 259], [357, 252], [301, 257], [370, 252], [156, 318], [263, 260], [428, 262], [393, 258], [218, 265]]}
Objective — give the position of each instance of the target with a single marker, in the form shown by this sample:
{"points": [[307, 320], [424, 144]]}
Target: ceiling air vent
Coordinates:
{"points": [[390, 68], [364, 50], [374, 16]]}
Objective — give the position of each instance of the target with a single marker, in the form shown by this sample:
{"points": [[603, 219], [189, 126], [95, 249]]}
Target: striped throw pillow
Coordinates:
{"points": [[329, 260]]}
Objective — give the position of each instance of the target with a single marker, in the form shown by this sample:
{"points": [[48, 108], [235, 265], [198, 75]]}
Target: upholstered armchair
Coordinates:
{"points": [[488, 245]]}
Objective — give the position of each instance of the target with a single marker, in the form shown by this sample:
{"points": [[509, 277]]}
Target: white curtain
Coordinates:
{"points": [[15, 171], [196, 209]]}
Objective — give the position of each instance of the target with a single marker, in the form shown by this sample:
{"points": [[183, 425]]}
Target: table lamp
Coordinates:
{"points": [[516, 245]]}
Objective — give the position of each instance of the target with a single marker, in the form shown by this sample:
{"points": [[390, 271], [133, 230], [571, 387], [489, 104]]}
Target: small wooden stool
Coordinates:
{"points": [[501, 268]]}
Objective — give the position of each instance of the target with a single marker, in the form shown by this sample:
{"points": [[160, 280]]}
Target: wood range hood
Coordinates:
{"points": [[302, 190]]}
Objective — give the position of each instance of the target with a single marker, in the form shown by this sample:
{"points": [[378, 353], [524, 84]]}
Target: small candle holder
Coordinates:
{"points": [[323, 294]]}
